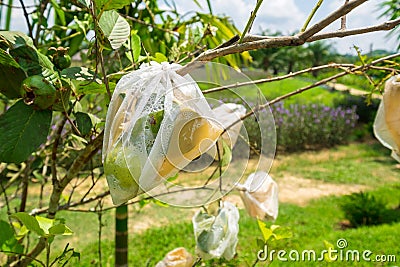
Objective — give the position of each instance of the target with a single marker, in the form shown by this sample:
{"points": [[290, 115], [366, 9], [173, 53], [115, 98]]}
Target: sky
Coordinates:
{"points": [[286, 16]]}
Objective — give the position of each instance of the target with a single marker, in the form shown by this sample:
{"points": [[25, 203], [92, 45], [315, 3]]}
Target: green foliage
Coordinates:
{"points": [[363, 209], [391, 9], [18, 125], [115, 28], [10, 87], [42, 226]]}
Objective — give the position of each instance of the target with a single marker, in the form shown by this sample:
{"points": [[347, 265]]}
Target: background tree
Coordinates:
{"points": [[391, 9]]}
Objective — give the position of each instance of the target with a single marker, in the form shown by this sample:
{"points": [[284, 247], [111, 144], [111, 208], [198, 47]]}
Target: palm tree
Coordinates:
{"points": [[391, 9], [319, 53]]}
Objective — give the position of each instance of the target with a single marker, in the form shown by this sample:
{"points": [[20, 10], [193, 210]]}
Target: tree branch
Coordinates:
{"points": [[321, 82], [280, 41], [278, 78], [385, 26]]}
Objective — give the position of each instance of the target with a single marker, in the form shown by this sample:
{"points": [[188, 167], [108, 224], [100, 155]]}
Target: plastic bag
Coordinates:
{"points": [[216, 236], [387, 120], [260, 196], [227, 114], [178, 257], [157, 122]]}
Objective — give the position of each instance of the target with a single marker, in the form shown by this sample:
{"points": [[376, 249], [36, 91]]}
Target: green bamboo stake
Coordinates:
{"points": [[8, 15], [121, 236]]}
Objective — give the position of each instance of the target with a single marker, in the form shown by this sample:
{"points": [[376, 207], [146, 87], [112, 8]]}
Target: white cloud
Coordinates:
{"points": [[283, 15]]}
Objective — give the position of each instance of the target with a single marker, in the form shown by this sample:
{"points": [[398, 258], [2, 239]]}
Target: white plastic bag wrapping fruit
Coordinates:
{"points": [[178, 257], [227, 114], [157, 122], [216, 235], [387, 120], [260, 196]]}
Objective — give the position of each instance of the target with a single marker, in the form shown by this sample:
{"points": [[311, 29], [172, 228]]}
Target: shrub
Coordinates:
{"points": [[312, 126], [366, 111], [301, 127], [363, 209]]}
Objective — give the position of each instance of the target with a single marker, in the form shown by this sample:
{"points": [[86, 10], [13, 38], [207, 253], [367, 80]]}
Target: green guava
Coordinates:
{"points": [[116, 167], [37, 91]]}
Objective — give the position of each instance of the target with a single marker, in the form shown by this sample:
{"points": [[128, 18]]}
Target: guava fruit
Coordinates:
{"points": [[37, 91]]}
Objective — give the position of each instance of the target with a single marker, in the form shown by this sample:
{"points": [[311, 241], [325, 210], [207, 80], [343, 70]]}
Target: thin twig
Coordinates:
{"points": [[385, 26], [343, 19], [278, 78], [300, 90], [26, 15], [309, 18], [280, 41], [249, 23], [154, 26]]}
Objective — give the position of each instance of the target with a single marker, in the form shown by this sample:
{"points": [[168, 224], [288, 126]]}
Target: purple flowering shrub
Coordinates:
{"points": [[312, 126], [302, 127]]}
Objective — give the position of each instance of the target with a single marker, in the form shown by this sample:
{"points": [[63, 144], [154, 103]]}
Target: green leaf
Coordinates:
{"points": [[59, 12], [30, 222], [92, 88], [329, 247], [15, 39], [84, 122], [226, 155], [115, 28], [23, 130], [80, 74], [60, 229], [10, 87], [8, 241], [45, 223], [34, 63], [84, 81], [260, 243], [6, 232], [111, 4], [266, 232], [136, 47], [160, 57]]}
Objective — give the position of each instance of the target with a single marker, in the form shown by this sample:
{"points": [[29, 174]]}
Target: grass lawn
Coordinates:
{"points": [[155, 230], [271, 90]]}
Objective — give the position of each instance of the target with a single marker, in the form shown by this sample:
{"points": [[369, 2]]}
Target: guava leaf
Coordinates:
{"points": [[115, 28], [136, 47], [226, 155], [6, 232], [29, 221], [34, 63], [14, 39], [111, 4], [22, 130], [60, 229], [8, 66], [85, 122]]}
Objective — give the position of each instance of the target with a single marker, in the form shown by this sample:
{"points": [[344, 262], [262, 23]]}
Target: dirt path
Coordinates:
{"points": [[352, 91], [300, 191]]}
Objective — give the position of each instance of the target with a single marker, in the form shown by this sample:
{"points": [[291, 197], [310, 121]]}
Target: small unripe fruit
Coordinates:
{"points": [[37, 91], [62, 62]]}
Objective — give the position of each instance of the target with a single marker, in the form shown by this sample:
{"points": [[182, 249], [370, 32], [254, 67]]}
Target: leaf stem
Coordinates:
{"points": [[313, 11], [251, 20]]}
